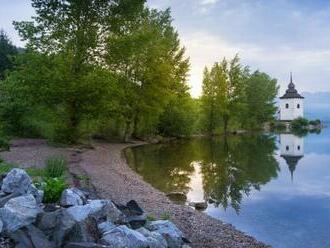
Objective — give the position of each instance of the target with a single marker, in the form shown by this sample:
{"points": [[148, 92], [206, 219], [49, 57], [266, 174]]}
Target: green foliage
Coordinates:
{"points": [[165, 216], [7, 50], [151, 217], [4, 144], [234, 98], [55, 167], [96, 67], [179, 117], [299, 123], [5, 167], [316, 122], [53, 189], [261, 91], [35, 172]]}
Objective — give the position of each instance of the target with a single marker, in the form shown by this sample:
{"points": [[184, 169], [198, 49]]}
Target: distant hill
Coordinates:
{"points": [[317, 105]]}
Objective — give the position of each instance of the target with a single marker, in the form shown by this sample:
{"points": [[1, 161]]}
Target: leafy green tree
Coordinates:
{"points": [[223, 93], [261, 92], [148, 53], [7, 50]]}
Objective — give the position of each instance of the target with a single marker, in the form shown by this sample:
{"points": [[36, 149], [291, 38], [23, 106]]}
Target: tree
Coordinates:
{"points": [[148, 53], [224, 92], [261, 92], [7, 50]]}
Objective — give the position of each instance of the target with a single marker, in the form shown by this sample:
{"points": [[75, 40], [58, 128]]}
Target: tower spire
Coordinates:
{"points": [[291, 81]]}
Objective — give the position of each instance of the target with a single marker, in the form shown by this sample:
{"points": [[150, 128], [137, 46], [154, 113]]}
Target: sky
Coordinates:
{"points": [[274, 36]]}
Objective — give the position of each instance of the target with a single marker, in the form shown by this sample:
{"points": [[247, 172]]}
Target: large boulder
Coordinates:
{"points": [[79, 223], [18, 212], [17, 180], [98, 209], [169, 231], [30, 236], [155, 240], [123, 237], [72, 197]]}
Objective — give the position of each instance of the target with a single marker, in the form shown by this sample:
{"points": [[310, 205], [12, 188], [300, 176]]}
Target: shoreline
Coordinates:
{"points": [[110, 176]]}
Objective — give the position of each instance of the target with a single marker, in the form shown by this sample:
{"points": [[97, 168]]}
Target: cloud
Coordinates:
{"points": [[208, 2]]}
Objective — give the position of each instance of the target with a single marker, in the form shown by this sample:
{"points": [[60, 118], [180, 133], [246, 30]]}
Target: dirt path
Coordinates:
{"points": [[113, 179]]}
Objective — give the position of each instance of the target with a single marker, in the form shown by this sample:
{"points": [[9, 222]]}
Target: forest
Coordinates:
{"points": [[116, 69]]}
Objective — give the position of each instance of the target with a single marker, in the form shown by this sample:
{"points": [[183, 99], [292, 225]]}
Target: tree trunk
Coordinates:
{"points": [[225, 124]]}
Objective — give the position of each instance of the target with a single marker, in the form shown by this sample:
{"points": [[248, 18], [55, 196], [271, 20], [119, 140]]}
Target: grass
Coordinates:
{"points": [[5, 167], [165, 216], [55, 167]]}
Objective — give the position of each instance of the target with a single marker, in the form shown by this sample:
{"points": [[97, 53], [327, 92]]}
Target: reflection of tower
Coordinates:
{"points": [[292, 150]]}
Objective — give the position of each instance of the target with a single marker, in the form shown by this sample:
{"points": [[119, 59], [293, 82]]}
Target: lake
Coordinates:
{"points": [[273, 187]]}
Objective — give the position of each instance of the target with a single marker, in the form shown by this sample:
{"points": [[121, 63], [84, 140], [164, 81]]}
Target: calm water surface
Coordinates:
{"points": [[273, 187]]}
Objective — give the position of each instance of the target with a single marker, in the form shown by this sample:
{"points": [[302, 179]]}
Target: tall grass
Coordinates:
{"points": [[55, 167]]}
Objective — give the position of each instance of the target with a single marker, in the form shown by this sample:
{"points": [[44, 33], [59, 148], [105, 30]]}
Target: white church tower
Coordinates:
{"points": [[291, 104]]}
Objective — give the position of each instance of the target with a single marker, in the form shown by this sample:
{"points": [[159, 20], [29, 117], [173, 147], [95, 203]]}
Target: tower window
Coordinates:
{"points": [[298, 105], [298, 148], [287, 148], [287, 105]]}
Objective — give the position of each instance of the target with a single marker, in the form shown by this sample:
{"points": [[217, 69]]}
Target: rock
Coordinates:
{"points": [[105, 226], [85, 231], [1, 226], [30, 236], [169, 231], [84, 245], [48, 221], [18, 212], [134, 208], [37, 194], [136, 221], [123, 237], [200, 206], [155, 240], [73, 197], [177, 197], [17, 180], [6, 198], [78, 223], [98, 209]]}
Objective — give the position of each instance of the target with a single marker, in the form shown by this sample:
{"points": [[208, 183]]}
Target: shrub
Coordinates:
{"points": [[53, 189], [315, 122], [299, 123], [4, 144], [55, 167]]}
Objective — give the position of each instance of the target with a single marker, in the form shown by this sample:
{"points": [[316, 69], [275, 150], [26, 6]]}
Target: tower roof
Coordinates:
{"points": [[291, 92]]}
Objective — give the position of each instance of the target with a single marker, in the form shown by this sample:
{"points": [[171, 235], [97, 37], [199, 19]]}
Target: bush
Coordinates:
{"points": [[316, 122], [35, 172], [299, 123], [55, 167], [4, 144], [53, 189]]}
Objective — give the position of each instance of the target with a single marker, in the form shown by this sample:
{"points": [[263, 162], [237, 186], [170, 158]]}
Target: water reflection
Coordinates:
{"points": [[221, 171], [292, 150]]}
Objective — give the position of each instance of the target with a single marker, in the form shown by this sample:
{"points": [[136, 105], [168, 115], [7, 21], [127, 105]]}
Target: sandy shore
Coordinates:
{"points": [[112, 178]]}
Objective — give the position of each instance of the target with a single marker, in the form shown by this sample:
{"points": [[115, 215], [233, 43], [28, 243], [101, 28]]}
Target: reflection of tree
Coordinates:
{"points": [[167, 167], [232, 167]]}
